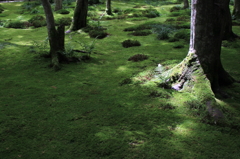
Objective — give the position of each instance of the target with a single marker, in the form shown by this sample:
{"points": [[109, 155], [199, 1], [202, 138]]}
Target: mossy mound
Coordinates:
{"points": [[138, 57], [62, 11], [38, 21], [130, 43]]}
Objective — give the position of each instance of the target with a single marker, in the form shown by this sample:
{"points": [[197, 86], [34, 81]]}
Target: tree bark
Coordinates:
{"points": [[80, 15], [52, 34], [236, 10], [185, 4], [58, 5], [203, 58], [108, 7], [227, 23]]}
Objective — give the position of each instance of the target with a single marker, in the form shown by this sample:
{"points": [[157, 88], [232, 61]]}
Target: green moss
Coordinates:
{"points": [[107, 107]]}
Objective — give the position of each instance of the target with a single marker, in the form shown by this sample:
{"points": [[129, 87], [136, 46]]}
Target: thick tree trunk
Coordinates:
{"points": [[52, 34], [185, 4], [201, 72], [58, 5], [203, 58], [236, 9], [80, 15], [108, 7]]}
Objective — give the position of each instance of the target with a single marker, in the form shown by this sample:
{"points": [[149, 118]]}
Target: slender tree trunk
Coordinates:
{"points": [[52, 34], [185, 4], [227, 23], [236, 9], [80, 15], [58, 5], [108, 7]]}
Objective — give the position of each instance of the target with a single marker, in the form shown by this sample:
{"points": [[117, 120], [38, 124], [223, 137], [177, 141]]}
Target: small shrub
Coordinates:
{"points": [[138, 57], [138, 6], [130, 43], [99, 34], [62, 11], [175, 8], [162, 31], [151, 13], [141, 33], [17, 24], [38, 21]]}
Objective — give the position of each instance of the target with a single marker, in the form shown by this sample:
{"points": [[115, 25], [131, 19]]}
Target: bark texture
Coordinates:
{"points": [[80, 15], [185, 4], [206, 39], [227, 23], [203, 58], [108, 7], [58, 5], [52, 34], [236, 9]]}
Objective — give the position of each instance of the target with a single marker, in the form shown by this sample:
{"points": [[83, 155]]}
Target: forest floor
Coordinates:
{"points": [[106, 107]]}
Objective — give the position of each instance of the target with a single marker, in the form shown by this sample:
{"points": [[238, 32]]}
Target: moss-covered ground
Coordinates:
{"points": [[105, 107]]}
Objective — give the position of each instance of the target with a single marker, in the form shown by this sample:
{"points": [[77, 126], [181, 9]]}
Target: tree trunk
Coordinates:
{"points": [[80, 15], [58, 5], [108, 7], [227, 23], [203, 59], [201, 72], [185, 4], [236, 10], [52, 34]]}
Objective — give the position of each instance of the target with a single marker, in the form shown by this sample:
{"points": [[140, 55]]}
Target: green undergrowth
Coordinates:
{"points": [[106, 107]]}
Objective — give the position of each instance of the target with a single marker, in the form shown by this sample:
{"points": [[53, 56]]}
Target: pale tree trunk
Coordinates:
{"points": [[201, 72], [80, 15], [185, 4], [58, 5], [236, 9], [203, 58], [108, 7], [52, 34]]}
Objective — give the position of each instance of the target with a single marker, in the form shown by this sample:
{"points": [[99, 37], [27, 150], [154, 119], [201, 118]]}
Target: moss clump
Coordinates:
{"points": [[175, 8], [99, 34], [141, 33], [130, 43], [62, 11], [151, 13], [38, 21], [183, 34], [64, 21], [17, 24], [138, 57]]}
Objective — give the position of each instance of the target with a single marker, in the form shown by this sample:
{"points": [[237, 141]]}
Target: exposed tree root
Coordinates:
{"points": [[189, 76]]}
